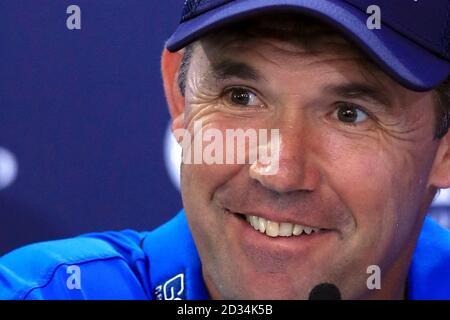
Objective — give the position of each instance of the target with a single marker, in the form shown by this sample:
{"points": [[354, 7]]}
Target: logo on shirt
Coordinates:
{"points": [[172, 289]]}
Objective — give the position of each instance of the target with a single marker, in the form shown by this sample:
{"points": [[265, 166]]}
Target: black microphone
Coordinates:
{"points": [[325, 291]]}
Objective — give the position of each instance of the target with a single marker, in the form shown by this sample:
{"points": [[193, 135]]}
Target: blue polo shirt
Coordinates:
{"points": [[163, 264]]}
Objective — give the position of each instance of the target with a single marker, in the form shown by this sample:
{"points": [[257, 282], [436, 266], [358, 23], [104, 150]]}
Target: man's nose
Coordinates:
{"points": [[298, 167]]}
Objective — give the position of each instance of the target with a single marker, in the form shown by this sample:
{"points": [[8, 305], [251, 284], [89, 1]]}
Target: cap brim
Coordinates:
{"points": [[407, 62]]}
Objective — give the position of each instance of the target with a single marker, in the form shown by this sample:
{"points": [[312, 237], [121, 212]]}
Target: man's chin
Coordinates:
{"points": [[269, 286], [271, 292]]}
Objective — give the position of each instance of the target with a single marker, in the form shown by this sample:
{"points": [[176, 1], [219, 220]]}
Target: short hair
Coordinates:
{"points": [[287, 25], [184, 67]]}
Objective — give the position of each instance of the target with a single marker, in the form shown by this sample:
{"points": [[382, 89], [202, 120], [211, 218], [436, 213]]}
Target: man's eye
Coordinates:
{"points": [[243, 97], [350, 113]]}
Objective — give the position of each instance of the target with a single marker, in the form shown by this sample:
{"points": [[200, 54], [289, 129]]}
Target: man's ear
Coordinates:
{"points": [[170, 65], [440, 173]]}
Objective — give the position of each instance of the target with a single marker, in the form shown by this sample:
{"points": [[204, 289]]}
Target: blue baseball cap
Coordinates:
{"points": [[412, 45]]}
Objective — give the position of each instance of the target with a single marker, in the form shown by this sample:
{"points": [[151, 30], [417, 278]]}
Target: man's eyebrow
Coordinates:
{"points": [[227, 68], [356, 90]]}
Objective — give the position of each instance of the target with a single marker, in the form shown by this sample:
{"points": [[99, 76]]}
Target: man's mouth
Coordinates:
{"points": [[279, 229]]}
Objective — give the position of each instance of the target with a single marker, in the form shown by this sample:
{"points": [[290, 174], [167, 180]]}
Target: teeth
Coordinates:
{"points": [[262, 223], [254, 222], [298, 230], [286, 229], [275, 229]]}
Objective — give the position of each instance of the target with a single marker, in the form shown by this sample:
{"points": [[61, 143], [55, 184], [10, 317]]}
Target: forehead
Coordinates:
{"points": [[292, 31], [286, 38], [287, 43]]}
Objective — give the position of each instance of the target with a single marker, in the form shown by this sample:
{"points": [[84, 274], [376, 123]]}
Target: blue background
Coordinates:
{"points": [[83, 117]]}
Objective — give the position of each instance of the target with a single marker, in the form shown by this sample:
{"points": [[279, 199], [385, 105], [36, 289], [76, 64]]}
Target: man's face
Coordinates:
{"points": [[354, 162]]}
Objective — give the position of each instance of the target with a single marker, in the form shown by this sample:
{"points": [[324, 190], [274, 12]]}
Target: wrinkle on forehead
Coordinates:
{"points": [[329, 56], [285, 36]]}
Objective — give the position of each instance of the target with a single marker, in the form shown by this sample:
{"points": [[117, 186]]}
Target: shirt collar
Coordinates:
{"points": [[174, 265]]}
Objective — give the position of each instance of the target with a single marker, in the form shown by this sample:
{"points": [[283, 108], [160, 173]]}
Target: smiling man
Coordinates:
{"points": [[362, 117]]}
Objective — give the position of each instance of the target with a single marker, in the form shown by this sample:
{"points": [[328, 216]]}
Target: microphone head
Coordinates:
{"points": [[325, 291]]}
